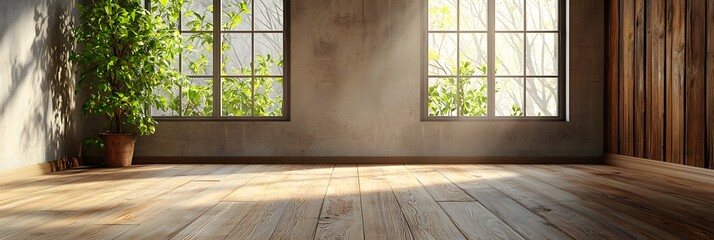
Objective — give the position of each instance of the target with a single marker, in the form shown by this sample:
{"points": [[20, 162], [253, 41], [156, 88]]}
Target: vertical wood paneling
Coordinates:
{"points": [[613, 90], [639, 104], [674, 130], [695, 95], [710, 81], [660, 80], [627, 75], [655, 79]]}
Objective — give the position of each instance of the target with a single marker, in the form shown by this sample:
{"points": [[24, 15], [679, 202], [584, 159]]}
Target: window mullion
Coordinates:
{"points": [[491, 59], [252, 59], [458, 58], [180, 65], [217, 43], [525, 58]]}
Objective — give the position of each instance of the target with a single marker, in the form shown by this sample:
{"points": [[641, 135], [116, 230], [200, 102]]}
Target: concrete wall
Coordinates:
{"points": [[356, 92], [39, 120]]}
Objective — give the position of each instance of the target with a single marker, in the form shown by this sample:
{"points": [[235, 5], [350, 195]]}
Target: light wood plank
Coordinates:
{"points": [[220, 221], [525, 222], [383, 219], [257, 188], [53, 204], [21, 195], [262, 220], [341, 216], [97, 192], [153, 207], [221, 173], [169, 219], [461, 178], [97, 231], [425, 218], [537, 185], [217, 222], [535, 201], [300, 218], [476, 222], [440, 187], [172, 220]]}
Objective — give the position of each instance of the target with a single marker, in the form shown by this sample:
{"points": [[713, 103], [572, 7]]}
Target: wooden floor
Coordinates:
{"points": [[356, 202]]}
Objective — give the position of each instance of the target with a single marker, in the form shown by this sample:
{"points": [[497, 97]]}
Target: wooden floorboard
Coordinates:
{"points": [[341, 214], [426, 219], [327, 201], [381, 214], [440, 187], [598, 206], [477, 222]]}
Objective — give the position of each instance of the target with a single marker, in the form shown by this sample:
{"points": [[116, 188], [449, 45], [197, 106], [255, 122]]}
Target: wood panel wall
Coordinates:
{"points": [[660, 80]]}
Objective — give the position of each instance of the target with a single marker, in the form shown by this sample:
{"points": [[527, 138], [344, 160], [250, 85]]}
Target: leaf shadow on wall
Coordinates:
{"points": [[50, 129]]}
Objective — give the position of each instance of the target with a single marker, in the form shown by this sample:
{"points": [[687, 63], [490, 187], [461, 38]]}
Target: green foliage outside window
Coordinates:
{"points": [[240, 96]]}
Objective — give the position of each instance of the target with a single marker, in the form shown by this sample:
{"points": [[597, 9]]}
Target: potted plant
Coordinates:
{"points": [[126, 55]]}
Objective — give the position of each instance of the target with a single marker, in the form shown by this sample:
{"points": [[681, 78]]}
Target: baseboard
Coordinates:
{"points": [[41, 168], [367, 160], [26, 171], [659, 167]]}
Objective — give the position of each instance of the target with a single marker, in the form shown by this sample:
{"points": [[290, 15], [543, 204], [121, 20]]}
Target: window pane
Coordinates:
{"points": [[474, 15], [268, 54], [269, 15], [442, 15], [474, 97], [170, 95], [542, 97], [509, 15], [197, 55], [509, 54], [474, 54], [509, 97], [442, 97], [236, 15], [197, 97], [198, 15], [236, 54], [236, 97], [442, 53], [268, 96], [542, 14], [542, 57]]}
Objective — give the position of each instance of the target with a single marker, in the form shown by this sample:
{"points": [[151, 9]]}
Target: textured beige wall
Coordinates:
{"points": [[38, 117], [355, 92]]}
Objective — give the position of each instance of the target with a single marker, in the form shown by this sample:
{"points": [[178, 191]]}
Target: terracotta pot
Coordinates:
{"points": [[118, 149]]}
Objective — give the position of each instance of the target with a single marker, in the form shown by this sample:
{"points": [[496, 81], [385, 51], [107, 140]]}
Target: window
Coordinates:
{"points": [[243, 75], [494, 59]]}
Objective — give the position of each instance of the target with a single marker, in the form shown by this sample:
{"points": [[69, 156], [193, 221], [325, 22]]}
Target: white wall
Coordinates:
{"points": [[38, 115]]}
